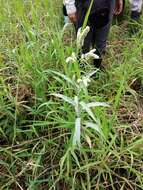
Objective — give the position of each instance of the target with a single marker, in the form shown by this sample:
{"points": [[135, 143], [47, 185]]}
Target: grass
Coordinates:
{"points": [[36, 128]]}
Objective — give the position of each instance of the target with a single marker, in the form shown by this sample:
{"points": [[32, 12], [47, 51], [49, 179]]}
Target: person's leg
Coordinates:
{"points": [[99, 24], [136, 7], [101, 34], [100, 39], [97, 36], [88, 41], [80, 20]]}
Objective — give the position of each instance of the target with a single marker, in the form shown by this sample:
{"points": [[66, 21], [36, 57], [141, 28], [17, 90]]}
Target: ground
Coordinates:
{"points": [[37, 128]]}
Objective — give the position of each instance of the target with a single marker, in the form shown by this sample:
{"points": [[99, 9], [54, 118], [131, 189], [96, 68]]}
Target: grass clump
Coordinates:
{"points": [[41, 145]]}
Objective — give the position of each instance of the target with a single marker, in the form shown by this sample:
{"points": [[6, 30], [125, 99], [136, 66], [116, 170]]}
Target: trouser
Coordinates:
{"points": [[97, 37], [64, 11], [136, 5]]}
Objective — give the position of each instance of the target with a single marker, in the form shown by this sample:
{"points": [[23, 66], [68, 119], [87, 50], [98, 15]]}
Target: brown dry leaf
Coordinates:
{"points": [[88, 140]]}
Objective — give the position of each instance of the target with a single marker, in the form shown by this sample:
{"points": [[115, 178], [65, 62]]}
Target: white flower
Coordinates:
{"points": [[90, 55], [72, 58], [81, 34], [84, 81]]}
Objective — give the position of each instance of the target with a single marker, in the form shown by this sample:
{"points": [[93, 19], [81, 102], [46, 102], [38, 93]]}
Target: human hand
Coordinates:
{"points": [[73, 17], [118, 7]]}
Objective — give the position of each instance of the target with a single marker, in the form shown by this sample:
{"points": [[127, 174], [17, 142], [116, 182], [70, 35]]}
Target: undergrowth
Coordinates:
{"points": [[37, 128]]}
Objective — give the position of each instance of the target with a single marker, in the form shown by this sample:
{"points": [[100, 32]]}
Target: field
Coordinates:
{"points": [[60, 129]]}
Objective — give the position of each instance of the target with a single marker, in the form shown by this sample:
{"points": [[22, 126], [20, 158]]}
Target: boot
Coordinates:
{"points": [[135, 16], [97, 62]]}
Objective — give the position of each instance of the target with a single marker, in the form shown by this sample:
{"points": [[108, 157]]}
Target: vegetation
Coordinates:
{"points": [[45, 100]]}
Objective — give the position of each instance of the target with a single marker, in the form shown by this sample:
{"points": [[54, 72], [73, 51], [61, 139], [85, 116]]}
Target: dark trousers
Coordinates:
{"points": [[99, 24]]}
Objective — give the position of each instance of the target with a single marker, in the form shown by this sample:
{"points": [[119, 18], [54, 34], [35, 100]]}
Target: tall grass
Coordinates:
{"points": [[36, 128]]}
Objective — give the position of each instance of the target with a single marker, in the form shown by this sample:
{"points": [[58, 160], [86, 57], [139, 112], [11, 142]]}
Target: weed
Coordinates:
{"points": [[41, 144]]}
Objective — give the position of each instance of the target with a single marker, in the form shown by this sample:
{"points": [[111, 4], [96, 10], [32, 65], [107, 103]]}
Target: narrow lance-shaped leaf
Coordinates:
{"points": [[95, 126], [76, 136], [67, 79], [63, 159], [88, 140], [88, 110], [89, 75], [97, 104], [65, 98], [87, 15], [75, 157], [77, 109]]}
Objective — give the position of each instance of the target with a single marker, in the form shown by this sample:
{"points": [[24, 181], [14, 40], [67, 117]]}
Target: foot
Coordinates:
{"points": [[135, 16], [97, 62]]}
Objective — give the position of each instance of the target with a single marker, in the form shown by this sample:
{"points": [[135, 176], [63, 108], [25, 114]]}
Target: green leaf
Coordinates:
{"points": [[89, 75], [95, 126], [87, 15], [88, 110], [65, 98], [67, 79], [97, 104], [77, 132]]}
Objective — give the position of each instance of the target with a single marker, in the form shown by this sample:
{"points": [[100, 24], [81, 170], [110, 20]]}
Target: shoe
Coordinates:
{"points": [[97, 62], [135, 16]]}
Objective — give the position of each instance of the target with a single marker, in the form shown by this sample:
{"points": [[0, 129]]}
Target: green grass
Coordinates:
{"points": [[37, 128]]}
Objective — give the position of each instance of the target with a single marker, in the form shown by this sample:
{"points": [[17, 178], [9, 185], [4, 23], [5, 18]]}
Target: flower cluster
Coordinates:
{"points": [[81, 34]]}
